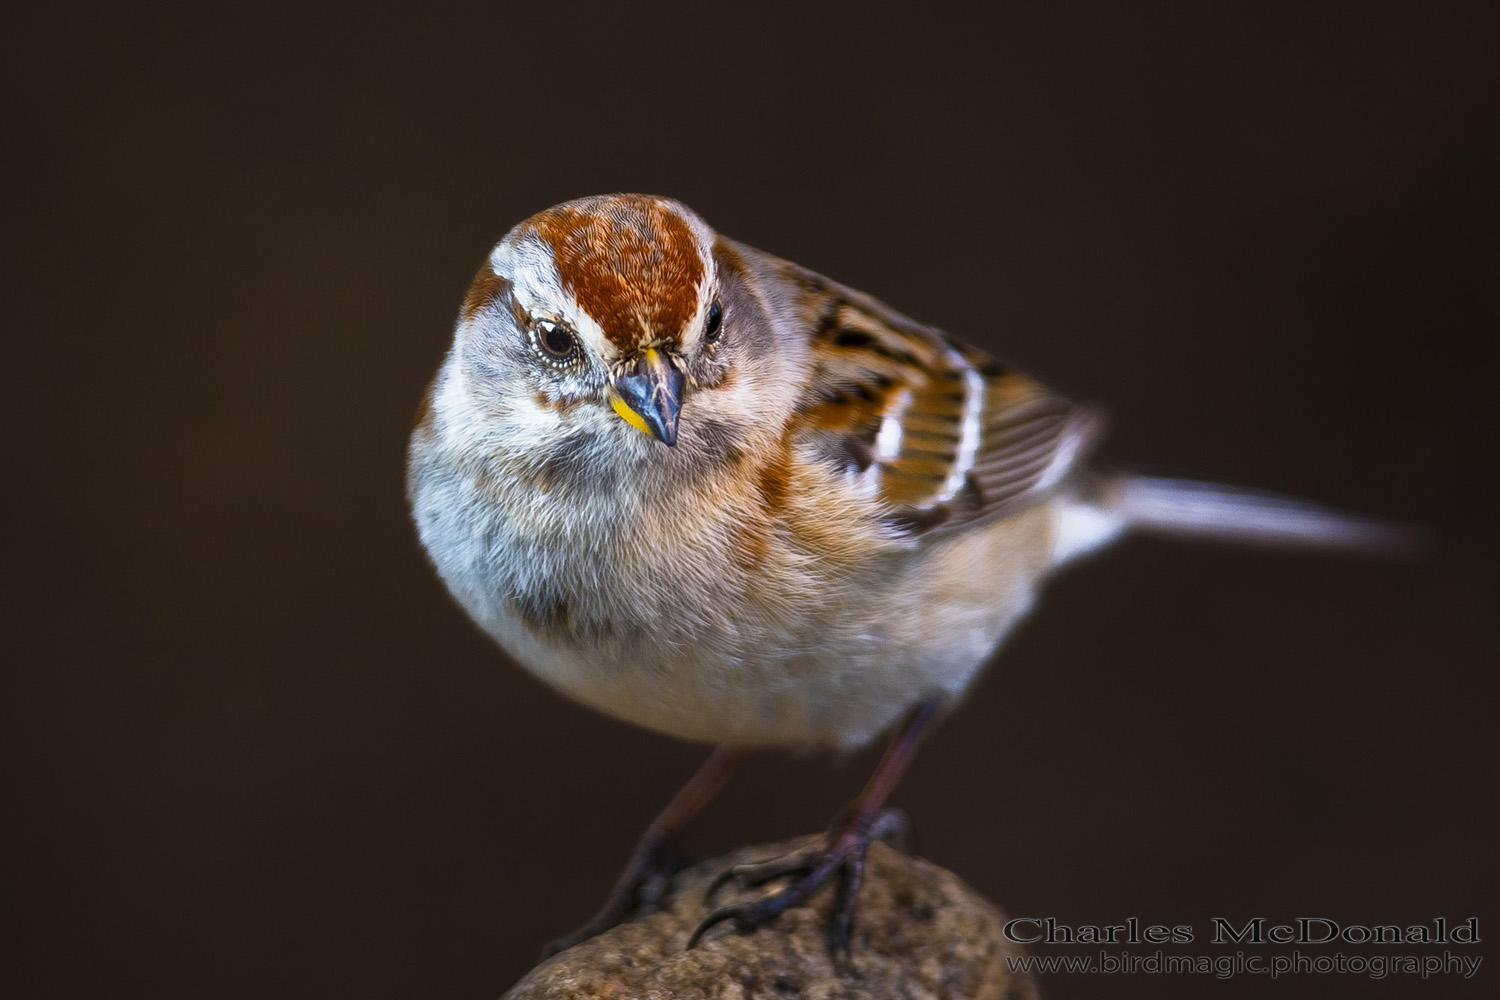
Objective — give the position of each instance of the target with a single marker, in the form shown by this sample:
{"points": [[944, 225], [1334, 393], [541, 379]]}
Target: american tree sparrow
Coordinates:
{"points": [[718, 495]]}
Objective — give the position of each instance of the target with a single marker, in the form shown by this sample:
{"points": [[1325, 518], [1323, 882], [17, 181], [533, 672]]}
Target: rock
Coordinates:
{"points": [[919, 932]]}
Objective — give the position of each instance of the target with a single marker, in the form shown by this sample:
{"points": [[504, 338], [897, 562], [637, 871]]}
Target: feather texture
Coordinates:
{"points": [[855, 512], [943, 434]]}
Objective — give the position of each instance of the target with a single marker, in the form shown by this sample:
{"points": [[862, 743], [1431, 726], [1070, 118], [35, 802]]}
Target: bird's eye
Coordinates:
{"points": [[555, 340], [715, 320]]}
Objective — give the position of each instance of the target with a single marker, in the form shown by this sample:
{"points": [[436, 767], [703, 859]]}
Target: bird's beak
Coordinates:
{"points": [[649, 394]]}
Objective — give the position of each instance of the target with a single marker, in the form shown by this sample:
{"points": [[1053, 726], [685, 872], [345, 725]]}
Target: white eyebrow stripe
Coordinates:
{"points": [[538, 288], [532, 272]]}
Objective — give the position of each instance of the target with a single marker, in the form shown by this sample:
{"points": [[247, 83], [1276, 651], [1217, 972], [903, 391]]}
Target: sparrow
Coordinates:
{"points": [[713, 493]]}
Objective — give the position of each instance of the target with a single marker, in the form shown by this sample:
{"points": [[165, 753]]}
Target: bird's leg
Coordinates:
{"points": [[657, 858], [842, 854]]}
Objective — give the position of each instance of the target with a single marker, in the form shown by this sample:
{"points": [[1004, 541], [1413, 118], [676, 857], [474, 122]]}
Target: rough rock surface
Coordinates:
{"points": [[919, 933]]}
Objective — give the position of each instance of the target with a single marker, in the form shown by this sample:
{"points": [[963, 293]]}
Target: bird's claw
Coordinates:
{"points": [[842, 855], [750, 876]]}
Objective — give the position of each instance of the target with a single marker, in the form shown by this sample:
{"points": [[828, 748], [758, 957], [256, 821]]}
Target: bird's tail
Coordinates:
{"points": [[1213, 512]]}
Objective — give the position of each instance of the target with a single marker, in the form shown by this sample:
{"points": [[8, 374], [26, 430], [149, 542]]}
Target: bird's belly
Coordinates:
{"points": [[839, 674], [801, 647], [834, 697]]}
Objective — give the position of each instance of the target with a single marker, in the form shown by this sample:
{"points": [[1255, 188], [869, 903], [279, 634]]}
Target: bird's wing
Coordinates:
{"points": [[944, 434]]}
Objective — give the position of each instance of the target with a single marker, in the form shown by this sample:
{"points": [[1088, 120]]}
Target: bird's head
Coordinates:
{"points": [[610, 307]]}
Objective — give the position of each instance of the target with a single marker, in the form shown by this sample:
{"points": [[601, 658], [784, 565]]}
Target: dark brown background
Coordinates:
{"points": [[253, 750]]}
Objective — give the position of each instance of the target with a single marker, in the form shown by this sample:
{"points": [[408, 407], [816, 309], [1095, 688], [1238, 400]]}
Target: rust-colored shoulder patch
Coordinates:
{"points": [[486, 287], [776, 476], [630, 261]]}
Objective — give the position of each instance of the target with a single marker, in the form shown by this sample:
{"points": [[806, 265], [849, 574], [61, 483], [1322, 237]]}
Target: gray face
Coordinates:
{"points": [[532, 354]]}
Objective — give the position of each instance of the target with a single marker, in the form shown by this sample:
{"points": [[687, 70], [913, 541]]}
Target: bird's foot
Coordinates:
{"points": [[842, 854], [641, 886]]}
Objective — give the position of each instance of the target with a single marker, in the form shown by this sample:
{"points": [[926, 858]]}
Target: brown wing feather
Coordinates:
{"points": [[947, 434]]}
